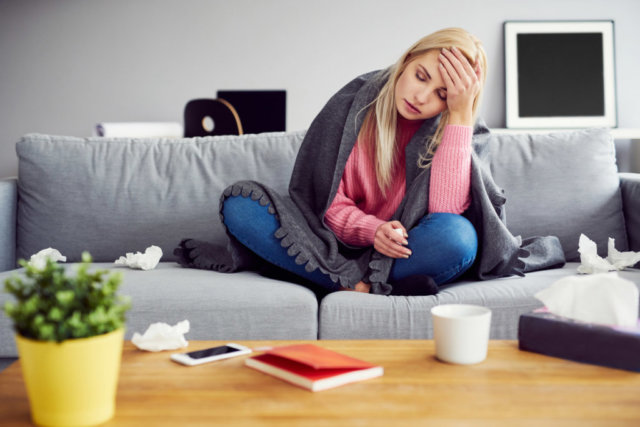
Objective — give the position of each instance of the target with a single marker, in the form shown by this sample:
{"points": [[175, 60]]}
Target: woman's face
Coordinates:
{"points": [[420, 91]]}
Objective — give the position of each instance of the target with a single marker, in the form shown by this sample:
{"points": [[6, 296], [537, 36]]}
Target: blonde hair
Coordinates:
{"points": [[379, 126]]}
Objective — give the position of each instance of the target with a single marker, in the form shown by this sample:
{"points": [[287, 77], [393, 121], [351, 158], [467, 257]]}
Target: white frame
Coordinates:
{"points": [[511, 31]]}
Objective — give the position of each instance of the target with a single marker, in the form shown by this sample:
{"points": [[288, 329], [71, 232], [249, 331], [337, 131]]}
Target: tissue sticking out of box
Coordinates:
{"points": [[39, 260], [603, 298], [146, 261], [591, 262], [161, 336]]}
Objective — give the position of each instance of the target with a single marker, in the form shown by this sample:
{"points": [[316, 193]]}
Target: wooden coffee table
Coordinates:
{"points": [[511, 387]]}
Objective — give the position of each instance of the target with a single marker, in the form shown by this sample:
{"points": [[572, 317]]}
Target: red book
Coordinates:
{"points": [[313, 367]]}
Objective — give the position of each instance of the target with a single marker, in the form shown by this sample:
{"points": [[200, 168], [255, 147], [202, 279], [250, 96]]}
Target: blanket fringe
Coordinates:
{"points": [[288, 239]]}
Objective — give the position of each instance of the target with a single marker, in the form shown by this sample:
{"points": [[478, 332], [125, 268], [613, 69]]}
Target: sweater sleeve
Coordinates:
{"points": [[451, 171], [349, 223]]}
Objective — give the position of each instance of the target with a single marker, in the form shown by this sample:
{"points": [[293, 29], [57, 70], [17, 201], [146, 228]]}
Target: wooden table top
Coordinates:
{"points": [[511, 387]]}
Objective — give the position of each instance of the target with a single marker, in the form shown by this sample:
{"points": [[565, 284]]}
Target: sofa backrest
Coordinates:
{"points": [[115, 195], [561, 184]]}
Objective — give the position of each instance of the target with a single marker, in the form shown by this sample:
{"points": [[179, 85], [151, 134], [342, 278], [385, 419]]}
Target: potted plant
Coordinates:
{"points": [[69, 333]]}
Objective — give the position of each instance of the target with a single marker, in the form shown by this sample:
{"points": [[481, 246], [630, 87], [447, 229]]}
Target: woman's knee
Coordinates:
{"points": [[241, 212], [460, 236], [233, 209]]}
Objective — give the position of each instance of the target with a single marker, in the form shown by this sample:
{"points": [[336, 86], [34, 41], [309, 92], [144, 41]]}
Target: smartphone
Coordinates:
{"points": [[199, 357]]}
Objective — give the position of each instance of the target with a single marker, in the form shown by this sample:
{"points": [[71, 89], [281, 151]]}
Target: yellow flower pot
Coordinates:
{"points": [[72, 383]]}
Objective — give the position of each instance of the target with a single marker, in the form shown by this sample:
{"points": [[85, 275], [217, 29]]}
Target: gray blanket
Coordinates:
{"points": [[314, 183]]}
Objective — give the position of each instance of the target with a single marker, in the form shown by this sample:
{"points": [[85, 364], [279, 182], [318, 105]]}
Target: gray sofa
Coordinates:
{"points": [[113, 196]]}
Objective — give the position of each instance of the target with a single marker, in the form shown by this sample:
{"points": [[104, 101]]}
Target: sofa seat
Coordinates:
{"points": [[240, 306], [246, 305], [348, 315]]}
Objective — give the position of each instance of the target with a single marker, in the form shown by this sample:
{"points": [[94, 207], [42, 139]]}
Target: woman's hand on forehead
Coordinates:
{"points": [[463, 82]]}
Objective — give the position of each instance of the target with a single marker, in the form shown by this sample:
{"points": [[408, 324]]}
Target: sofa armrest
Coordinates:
{"points": [[8, 210], [630, 186]]}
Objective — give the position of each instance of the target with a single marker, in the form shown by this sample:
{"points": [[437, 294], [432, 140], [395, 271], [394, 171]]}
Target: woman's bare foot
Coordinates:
{"points": [[359, 287], [363, 287]]}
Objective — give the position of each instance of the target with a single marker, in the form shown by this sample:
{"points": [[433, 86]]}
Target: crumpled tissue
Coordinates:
{"points": [[143, 261], [603, 298], [39, 260], [161, 336], [591, 262]]}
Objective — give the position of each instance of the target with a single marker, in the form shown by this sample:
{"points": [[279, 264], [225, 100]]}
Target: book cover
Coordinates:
{"points": [[552, 335], [313, 367]]}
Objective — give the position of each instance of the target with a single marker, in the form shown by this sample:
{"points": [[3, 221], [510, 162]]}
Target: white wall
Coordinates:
{"points": [[68, 64]]}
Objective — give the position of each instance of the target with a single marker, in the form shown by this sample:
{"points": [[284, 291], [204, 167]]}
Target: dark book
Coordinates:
{"points": [[610, 346]]}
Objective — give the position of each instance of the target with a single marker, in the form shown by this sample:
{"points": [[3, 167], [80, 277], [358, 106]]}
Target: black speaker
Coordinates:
{"points": [[260, 110], [206, 117]]}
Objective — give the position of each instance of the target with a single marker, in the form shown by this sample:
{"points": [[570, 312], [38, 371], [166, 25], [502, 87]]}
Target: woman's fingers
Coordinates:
{"points": [[460, 72], [454, 68], [397, 225], [478, 70], [394, 250], [450, 75], [464, 63], [448, 81], [462, 81], [390, 242]]}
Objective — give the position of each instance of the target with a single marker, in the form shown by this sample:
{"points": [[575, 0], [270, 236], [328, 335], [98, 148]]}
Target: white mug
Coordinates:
{"points": [[461, 332]]}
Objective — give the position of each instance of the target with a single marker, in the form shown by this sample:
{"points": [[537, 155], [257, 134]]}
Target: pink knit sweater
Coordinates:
{"points": [[359, 207]]}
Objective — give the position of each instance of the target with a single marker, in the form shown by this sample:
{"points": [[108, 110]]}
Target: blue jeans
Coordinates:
{"points": [[444, 245]]}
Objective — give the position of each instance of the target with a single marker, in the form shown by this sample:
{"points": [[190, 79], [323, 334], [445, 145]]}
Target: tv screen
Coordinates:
{"points": [[560, 75]]}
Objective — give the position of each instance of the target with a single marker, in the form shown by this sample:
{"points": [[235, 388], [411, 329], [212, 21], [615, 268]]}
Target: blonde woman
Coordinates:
{"points": [[380, 185], [441, 74]]}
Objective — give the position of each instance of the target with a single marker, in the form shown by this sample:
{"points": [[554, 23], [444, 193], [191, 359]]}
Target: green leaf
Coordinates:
{"points": [[51, 305], [55, 314], [47, 332], [10, 308], [65, 297]]}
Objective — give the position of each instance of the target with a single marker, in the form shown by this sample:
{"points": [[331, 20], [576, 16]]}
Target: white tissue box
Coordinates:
{"points": [[552, 335]]}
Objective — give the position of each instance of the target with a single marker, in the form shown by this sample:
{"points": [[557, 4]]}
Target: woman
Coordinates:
{"points": [[379, 185], [432, 77]]}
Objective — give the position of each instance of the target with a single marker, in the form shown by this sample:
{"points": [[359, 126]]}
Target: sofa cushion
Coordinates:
{"points": [[240, 306], [562, 184], [353, 315], [630, 187], [116, 195]]}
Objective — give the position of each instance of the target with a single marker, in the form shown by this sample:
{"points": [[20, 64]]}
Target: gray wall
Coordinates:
{"points": [[66, 65]]}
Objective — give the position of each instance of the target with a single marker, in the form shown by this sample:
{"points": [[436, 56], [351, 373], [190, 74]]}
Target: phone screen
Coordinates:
{"points": [[214, 351]]}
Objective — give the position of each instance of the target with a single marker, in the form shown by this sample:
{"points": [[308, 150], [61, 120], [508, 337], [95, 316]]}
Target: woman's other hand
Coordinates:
{"points": [[463, 83], [390, 242]]}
